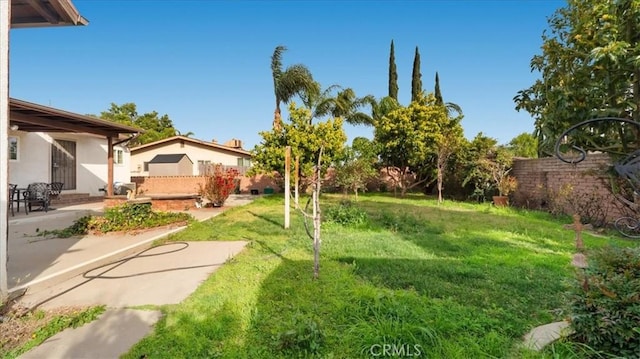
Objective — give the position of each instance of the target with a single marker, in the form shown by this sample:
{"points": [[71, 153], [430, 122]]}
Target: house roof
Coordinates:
{"points": [[170, 158], [191, 140], [31, 13], [32, 117]]}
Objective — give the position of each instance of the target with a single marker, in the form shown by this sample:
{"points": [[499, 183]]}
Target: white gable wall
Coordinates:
{"points": [[34, 161], [195, 152]]}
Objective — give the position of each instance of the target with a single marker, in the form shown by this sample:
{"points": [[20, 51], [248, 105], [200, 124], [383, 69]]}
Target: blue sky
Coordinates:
{"points": [[206, 63]]}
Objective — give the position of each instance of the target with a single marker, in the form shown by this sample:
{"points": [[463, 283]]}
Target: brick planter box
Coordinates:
{"points": [[159, 202]]}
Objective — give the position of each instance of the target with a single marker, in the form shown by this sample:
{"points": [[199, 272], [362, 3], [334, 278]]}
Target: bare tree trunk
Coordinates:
{"points": [[442, 164], [440, 184], [287, 185], [296, 197], [316, 219], [277, 119]]}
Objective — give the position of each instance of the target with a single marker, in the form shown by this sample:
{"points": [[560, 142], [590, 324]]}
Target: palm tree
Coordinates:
{"points": [[347, 105], [344, 104], [186, 134], [382, 108], [294, 80]]}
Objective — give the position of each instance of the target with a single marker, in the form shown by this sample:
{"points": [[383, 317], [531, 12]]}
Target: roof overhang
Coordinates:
{"points": [[39, 13], [31, 117]]}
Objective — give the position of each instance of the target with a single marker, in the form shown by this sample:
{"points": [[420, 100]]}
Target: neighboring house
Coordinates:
{"points": [[171, 165], [52, 145], [202, 154]]}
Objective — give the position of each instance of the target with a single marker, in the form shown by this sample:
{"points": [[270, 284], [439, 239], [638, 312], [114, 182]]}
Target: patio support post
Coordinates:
{"points": [[5, 24], [109, 166]]}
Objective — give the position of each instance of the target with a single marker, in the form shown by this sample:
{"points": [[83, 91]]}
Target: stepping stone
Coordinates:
{"points": [[544, 335]]}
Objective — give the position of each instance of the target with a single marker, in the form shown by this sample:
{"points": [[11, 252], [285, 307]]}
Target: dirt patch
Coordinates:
{"points": [[18, 324]]}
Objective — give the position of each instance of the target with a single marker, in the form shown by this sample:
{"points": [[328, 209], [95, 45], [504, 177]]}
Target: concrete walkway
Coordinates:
{"points": [[118, 271]]}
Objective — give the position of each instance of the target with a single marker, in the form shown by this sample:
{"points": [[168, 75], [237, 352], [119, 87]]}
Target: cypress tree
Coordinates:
{"points": [[416, 77], [437, 93], [393, 74]]}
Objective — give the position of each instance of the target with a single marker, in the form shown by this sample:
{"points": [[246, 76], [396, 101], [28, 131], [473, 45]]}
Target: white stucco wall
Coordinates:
{"points": [[195, 152], [34, 161]]}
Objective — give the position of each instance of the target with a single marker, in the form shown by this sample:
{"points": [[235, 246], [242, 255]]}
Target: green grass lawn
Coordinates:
{"points": [[451, 281]]}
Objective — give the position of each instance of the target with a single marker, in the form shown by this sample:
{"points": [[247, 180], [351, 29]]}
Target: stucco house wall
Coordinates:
{"points": [[196, 150], [34, 161]]}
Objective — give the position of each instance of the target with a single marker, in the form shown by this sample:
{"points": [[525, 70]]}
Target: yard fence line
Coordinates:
{"points": [[550, 184], [191, 184]]}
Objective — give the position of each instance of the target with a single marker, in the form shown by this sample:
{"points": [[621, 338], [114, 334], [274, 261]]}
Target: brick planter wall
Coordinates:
{"points": [[159, 203]]}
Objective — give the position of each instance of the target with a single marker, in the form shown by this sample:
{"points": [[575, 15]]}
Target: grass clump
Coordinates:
{"points": [[129, 216], [346, 214]]}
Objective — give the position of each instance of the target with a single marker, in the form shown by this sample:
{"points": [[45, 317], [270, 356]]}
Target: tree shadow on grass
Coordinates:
{"points": [[267, 219], [414, 302]]}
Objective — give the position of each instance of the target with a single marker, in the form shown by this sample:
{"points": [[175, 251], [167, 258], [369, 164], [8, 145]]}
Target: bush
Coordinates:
{"points": [[219, 184], [345, 214], [606, 311], [129, 216]]}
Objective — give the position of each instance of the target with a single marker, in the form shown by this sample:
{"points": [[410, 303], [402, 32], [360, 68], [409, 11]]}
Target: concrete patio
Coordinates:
{"points": [[37, 262]]}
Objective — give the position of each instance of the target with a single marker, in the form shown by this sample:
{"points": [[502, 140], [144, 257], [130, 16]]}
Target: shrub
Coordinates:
{"points": [[345, 214], [219, 184], [606, 311]]}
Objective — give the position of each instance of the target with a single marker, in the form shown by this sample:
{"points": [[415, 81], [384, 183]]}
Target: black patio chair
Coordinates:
{"points": [[54, 189], [13, 192], [15, 197], [37, 194]]}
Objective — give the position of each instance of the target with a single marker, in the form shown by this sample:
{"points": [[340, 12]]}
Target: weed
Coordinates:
{"points": [[346, 213]]}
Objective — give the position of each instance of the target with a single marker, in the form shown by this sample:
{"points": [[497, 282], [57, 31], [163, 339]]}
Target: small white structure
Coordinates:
{"points": [[201, 153]]}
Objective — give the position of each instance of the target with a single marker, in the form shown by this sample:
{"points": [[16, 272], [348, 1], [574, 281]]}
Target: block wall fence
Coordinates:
{"points": [[191, 184], [541, 177]]}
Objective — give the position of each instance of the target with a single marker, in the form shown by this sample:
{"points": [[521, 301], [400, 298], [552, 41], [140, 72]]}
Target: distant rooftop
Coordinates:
{"points": [[171, 158]]}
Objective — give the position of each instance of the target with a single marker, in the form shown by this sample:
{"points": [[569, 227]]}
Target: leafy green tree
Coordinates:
{"points": [[393, 74], [356, 166], [156, 127], [447, 143], [524, 145], [287, 83], [409, 138], [590, 67], [486, 164], [304, 137], [416, 78]]}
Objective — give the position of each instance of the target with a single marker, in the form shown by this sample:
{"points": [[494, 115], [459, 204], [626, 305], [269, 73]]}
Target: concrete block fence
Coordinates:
{"points": [[543, 180], [191, 184]]}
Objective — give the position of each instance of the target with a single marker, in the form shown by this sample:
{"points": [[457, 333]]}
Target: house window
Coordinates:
{"points": [[145, 166], [244, 162], [118, 156], [13, 148]]}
